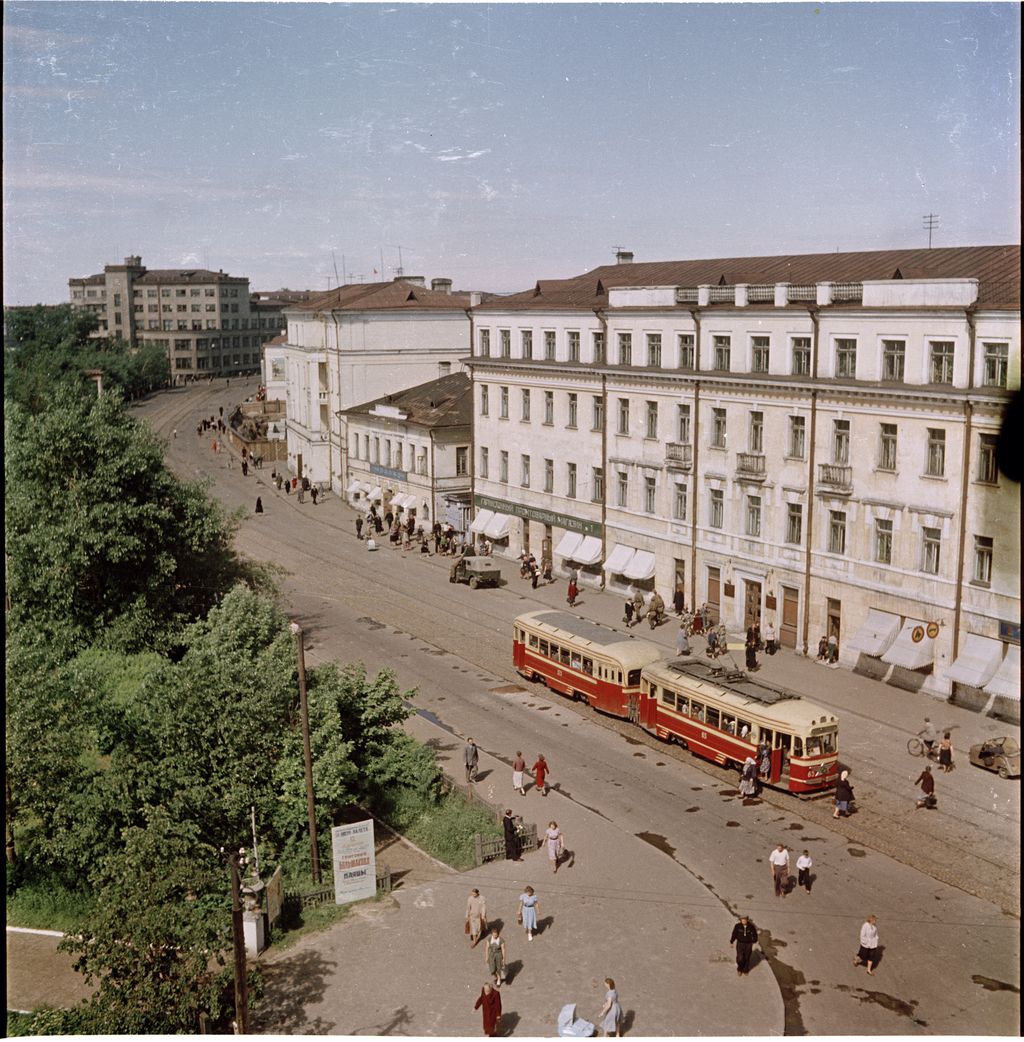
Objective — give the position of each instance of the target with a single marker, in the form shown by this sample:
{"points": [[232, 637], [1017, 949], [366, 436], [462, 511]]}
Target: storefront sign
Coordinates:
{"points": [[1009, 631], [355, 866], [543, 517], [387, 472]]}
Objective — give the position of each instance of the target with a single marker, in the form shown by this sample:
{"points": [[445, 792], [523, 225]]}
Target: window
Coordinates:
{"points": [[846, 358], [837, 531], [654, 350], [935, 465], [760, 347], [573, 338], [716, 508], [506, 342], [598, 342], [723, 352], [756, 433], [485, 343], [483, 400], [503, 407], [841, 441], [930, 540], [887, 446], [549, 475], [549, 407], [718, 428], [376, 450], [623, 416], [525, 404], [883, 541], [483, 462], [941, 361], [982, 559], [570, 480], [650, 494], [988, 472], [503, 467], [549, 345], [623, 489], [679, 502], [461, 460], [625, 349], [683, 424], [652, 419], [573, 410], [598, 476], [686, 351], [794, 523], [797, 437], [598, 413], [754, 517], [526, 343], [801, 348], [894, 357], [524, 471], [996, 358]]}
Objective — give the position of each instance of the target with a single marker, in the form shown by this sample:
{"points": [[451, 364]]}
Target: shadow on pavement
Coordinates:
{"points": [[293, 985]]}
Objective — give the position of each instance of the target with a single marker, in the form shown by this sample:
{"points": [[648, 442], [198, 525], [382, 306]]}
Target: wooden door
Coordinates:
{"points": [[790, 611], [751, 603], [714, 597]]}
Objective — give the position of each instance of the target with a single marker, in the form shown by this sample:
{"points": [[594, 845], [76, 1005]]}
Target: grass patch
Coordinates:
{"points": [[445, 830], [48, 906], [292, 928]]}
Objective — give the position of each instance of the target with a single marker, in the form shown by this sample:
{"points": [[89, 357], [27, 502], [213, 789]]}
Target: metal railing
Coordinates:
{"points": [[836, 476], [750, 463], [679, 455]]}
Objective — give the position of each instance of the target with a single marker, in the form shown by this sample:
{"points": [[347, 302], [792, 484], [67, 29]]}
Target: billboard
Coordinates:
{"points": [[355, 866]]}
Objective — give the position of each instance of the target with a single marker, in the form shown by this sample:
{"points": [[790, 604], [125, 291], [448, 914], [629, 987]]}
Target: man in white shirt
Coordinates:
{"points": [[778, 861], [868, 951], [803, 871]]}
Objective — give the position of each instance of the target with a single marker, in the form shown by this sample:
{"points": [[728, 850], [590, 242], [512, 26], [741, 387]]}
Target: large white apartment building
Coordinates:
{"points": [[803, 439], [354, 344]]}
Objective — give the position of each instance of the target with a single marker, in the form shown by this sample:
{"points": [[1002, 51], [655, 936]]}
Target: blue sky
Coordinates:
{"points": [[496, 144]]}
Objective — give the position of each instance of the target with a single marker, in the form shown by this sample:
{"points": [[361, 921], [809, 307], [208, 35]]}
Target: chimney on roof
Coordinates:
{"points": [[416, 280], [441, 285], [133, 262], [624, 257]]}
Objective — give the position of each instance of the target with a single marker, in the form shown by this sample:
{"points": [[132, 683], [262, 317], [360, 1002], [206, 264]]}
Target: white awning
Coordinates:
{"points": [[497, 527], [876, 633], [363, 487], [480, 521], [374, 492], [568, 544], [403, 499], [619, 559], [908, 652], [977, 662], [641, 566], [589, 551], [356, 486], [1006, 682]]}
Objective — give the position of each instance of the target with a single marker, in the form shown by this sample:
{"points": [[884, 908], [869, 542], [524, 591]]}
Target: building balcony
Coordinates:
{"points": [[323, 395], [835, 478], [678, 457], [750, 466]]}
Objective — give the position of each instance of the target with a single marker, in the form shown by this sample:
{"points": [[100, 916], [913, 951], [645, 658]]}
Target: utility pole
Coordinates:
{"points": [[306, 751], [238, 942], [931, 221]]}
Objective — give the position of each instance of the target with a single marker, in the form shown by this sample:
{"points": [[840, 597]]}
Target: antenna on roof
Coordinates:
{"points": [[399, 271], [931, 220], [337, 281]]}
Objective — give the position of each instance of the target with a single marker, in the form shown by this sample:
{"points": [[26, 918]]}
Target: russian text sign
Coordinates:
{"points": [[355, 866]]}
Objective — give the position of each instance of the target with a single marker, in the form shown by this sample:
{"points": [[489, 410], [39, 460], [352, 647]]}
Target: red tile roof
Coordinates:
{"points": [[383, 296]]}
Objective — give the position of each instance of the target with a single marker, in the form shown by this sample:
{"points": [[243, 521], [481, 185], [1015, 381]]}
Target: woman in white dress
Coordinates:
{"points": [[611, 1011]]}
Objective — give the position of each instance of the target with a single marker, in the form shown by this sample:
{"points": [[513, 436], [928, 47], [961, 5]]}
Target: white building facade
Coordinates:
{"points": [[803, 440]]}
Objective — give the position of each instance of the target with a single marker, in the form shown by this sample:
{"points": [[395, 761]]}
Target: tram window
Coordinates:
{"points": [[554, 652], [828, 742], [588, 666], [668, 697], [634, 677], [577, 662], [729, 724], [712, 717], [618, 676], [566, 657], [798, 747], [744, 728], [813, 746], [696, 711], [543, 647], [766, 736], [533, 640], [684, 704]]}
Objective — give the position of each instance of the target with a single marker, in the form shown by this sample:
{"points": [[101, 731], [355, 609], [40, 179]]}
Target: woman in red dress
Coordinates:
{"points": [[490, 1000], [540, 773]]}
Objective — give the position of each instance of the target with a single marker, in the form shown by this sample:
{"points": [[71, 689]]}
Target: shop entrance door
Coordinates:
{"points": [[790, 611], [714, 597], [751, 603]]}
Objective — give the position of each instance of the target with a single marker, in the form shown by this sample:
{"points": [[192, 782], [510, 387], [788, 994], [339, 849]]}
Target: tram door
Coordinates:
{"points": [[633, 711]]}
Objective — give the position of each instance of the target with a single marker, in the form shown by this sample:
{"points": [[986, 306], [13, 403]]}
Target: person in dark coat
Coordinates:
{"points": [[574, 588], [744, 936], [927, 782], [751, 649], [844, 796], [679, 601], [313, 493], [359, 528], [259, 505], [490, 1002], [512, 846]]}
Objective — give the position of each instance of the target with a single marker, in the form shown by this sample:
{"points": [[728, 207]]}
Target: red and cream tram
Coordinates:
{"points": [[719, 715]]}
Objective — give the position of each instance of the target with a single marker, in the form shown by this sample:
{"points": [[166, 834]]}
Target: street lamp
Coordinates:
{"points": [[307, 754], [238, 942]]}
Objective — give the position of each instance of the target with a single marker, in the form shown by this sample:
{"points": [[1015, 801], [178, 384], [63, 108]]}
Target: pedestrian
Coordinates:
{"points": [[744, 936], [512, 845], [495, 956], [534, 574], [946, 753], [259, 505], [302, 492], [638, 607], [927, 783], [359, 528], [527, 914], [778, 862], [470, 759], [705, 616], [868, 951], [546, 570], [556, 844], [611, 1012], [221, 410], [764, 759], [287, 488], [476, 917], [174, 433], [770, 643], [627, 616], [518, 768], [540, 772], [682, 640], [751, 649], [679, 601], [748, 780], [574, 588], [803, 870], [928, 736], [844, 796], [245, 468], [313, 493], [389, 519], [489, 1002]]}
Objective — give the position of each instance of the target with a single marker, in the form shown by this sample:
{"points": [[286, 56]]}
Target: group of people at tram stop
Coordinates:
{"points": [[530, 569]]}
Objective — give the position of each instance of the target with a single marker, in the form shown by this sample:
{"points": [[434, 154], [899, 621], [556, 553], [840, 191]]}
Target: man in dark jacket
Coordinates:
{"points": [[744, 936], [927, 783]]}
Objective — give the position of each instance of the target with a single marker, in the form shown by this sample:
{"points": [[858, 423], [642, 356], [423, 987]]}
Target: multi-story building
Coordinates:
{"points": [[808, 440], [355, 343], [206, 321], [409, 451]]}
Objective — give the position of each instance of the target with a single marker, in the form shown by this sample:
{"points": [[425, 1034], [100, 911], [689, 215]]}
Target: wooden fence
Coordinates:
{"points": [[294, 900], [490, 848]]}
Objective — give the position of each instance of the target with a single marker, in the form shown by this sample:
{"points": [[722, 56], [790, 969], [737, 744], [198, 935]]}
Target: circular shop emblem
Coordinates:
{"points": [[917, 634], [933, 630]]}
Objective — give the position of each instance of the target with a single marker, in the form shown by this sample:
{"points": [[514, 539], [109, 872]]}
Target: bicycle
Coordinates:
{"points": [[917, 747]]}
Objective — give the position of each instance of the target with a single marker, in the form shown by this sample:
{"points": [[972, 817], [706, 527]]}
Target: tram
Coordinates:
{"points": [[718, 714]]}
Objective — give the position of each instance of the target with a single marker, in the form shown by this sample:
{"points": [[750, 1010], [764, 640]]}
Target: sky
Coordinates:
{"points": [[496, 144]]}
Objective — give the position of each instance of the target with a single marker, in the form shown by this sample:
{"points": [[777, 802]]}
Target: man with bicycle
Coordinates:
{"points": [[929, 736]]}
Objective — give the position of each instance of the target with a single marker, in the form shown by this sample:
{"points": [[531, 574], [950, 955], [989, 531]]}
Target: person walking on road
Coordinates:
{"points": [[573, 588], [527, 915], [627, 614], [868, 951], [476, 916], [512, 844], [744, 936], [359, 528], [638, 608], [928, 736], [844, 796], [259, 505], [518, 769], [778, 861], [470, 758], [927, 782], [611, 1012], [556, 844], [540, 773], [751, 650], [803, 871], [495, 956], [748, 780], [489, 1002], [679, 602], [313, 493], [770, 642], [946, 753]]}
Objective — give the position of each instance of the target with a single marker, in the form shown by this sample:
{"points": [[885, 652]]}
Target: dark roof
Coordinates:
{"points": [[397, 295], [281, 338], [188, 275], [445, 402], [997, 269]]}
